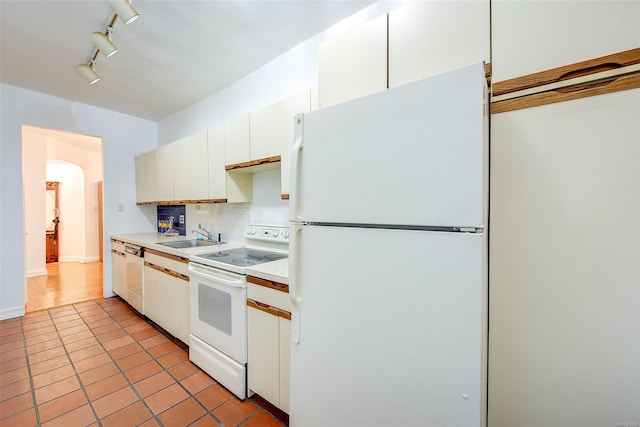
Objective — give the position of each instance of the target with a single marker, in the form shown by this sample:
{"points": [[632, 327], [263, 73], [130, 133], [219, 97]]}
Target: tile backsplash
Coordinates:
{"points": [[231, 219], [170, 215]]}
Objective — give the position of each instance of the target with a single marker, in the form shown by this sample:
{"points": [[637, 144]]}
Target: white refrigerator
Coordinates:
{"points": [[388, 257]]}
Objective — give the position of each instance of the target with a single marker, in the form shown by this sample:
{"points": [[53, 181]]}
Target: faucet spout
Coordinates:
{"points": [[205, 233]]}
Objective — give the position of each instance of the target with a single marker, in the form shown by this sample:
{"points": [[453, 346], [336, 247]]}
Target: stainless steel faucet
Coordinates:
{"points": [[205, 233]]}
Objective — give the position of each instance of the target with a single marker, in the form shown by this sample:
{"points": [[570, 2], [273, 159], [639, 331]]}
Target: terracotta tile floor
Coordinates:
{"points": [[99, 363]]}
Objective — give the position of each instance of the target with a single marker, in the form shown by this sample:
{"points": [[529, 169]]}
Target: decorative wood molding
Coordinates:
{"points": [[183, 202], [166, 255], [166, 271], [284, 197], [268, 309], [568, 93], [567, 72], [268, 284], [253, 163]]}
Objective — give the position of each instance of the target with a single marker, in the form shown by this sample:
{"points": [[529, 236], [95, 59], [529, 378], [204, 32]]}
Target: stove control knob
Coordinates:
{"points": [[251, 230], [275, 233], [286, 234]]}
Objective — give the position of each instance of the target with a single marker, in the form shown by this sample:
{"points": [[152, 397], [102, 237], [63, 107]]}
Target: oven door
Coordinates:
{"points": [[218, 301]]}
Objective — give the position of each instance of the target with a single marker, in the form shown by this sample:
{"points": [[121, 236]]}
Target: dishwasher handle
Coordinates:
{"points": [[134, 250]]}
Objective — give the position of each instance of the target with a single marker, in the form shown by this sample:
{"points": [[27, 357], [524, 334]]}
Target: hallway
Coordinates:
{"points": [[66, 283]]}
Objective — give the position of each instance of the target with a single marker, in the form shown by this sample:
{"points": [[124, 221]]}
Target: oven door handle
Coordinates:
{"points": [[216, 275]]}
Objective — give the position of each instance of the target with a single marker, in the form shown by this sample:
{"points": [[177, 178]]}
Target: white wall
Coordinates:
{"points": [[123, 137], [292, 72]]}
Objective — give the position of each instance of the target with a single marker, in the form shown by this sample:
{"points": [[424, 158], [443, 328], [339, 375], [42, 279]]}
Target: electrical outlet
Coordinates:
{"points": [[181, 219], [120, 207]]}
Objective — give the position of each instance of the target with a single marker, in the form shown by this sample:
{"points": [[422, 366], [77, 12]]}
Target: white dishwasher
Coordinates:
{"points": [[135, 282]]}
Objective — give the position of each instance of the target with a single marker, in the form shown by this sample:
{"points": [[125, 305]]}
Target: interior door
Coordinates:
{"points": [[52, 221]]}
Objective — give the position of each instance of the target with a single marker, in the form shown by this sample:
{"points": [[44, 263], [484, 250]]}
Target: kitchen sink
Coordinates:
{"points": [[181, 244]]}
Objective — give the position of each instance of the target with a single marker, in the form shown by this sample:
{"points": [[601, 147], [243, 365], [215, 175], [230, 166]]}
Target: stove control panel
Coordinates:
{"points": [[267, 233]]}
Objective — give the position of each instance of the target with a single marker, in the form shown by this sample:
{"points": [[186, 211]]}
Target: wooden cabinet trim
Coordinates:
{"points": [[166, 271], [284, 196], [258, 162], [268, 309], [567, 72], [616, 84], [166, 255], [113, 251], [182, 202], [268, 284]]}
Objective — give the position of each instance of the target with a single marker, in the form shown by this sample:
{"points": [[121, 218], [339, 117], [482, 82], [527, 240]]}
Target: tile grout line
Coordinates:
{"points": [[33, 389], [166, 370], [129, 383], [82, 387]]}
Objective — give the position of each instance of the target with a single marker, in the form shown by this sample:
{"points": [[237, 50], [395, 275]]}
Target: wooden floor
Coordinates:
{"points": [[66, 283]]}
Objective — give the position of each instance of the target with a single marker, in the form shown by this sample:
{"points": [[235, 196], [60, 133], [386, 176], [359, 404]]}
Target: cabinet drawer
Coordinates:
{"points": [[263, 291], [170, 262], [117, 245]]}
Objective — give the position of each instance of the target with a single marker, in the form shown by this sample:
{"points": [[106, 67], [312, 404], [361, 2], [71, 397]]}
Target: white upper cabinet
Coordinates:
{"points": [[237, 140], [165, 158], [353, 64], [534, 36], [216, 160], [194, 166], [265, 132], [432, 37], [146, 177]]}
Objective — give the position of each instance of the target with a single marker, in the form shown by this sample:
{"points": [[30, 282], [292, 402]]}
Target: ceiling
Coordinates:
{"points": [[177, 53]]}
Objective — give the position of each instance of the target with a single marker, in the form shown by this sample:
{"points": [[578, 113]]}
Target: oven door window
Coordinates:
{"points": [[214, 308]]}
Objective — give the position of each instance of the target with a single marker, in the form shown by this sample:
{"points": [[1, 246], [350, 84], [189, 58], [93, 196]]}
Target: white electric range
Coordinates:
{"points": [[218, 303]]}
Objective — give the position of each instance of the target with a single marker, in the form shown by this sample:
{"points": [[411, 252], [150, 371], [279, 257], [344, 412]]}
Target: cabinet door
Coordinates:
{"points": [[435, 36], [237, 140], [150, 176], [181, 165], [119, 274], [353, 64], [164, 165], [216, 159], [160, 298], [265, 132], [198, 166], [141, 195], [263, 365], [285, 362], [183, 310], [564, 271], [532, 36], [290, 106]]}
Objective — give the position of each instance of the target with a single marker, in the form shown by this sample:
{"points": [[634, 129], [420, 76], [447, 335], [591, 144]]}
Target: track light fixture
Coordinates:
{"points": [[102, 41], [89, 72], [124, 10]]}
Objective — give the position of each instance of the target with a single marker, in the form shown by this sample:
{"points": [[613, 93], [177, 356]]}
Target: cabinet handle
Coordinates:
{"points": [[263, 307]]}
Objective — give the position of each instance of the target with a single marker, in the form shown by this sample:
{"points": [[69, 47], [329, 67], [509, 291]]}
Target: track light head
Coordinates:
{"points": [[104, 44], [125, 11], [88, 73]]}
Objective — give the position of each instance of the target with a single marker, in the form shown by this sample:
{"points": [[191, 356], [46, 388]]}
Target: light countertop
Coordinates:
{"points": [[277, 271]]}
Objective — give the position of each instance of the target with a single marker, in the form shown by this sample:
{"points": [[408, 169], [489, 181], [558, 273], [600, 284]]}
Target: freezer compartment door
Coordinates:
{"points": [[419, 148], [391, 328]]}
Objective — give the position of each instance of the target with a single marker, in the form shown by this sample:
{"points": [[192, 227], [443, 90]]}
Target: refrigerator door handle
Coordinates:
{"points": [[294, 285], [298, 144]]}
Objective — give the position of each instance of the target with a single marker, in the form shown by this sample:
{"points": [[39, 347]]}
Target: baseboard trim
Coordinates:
{"points": [[10, 313], [38, 272]]}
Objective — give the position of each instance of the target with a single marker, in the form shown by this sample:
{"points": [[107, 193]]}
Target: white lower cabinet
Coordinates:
{"points": [[167, 293], [269, 325], [118, 268]]}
